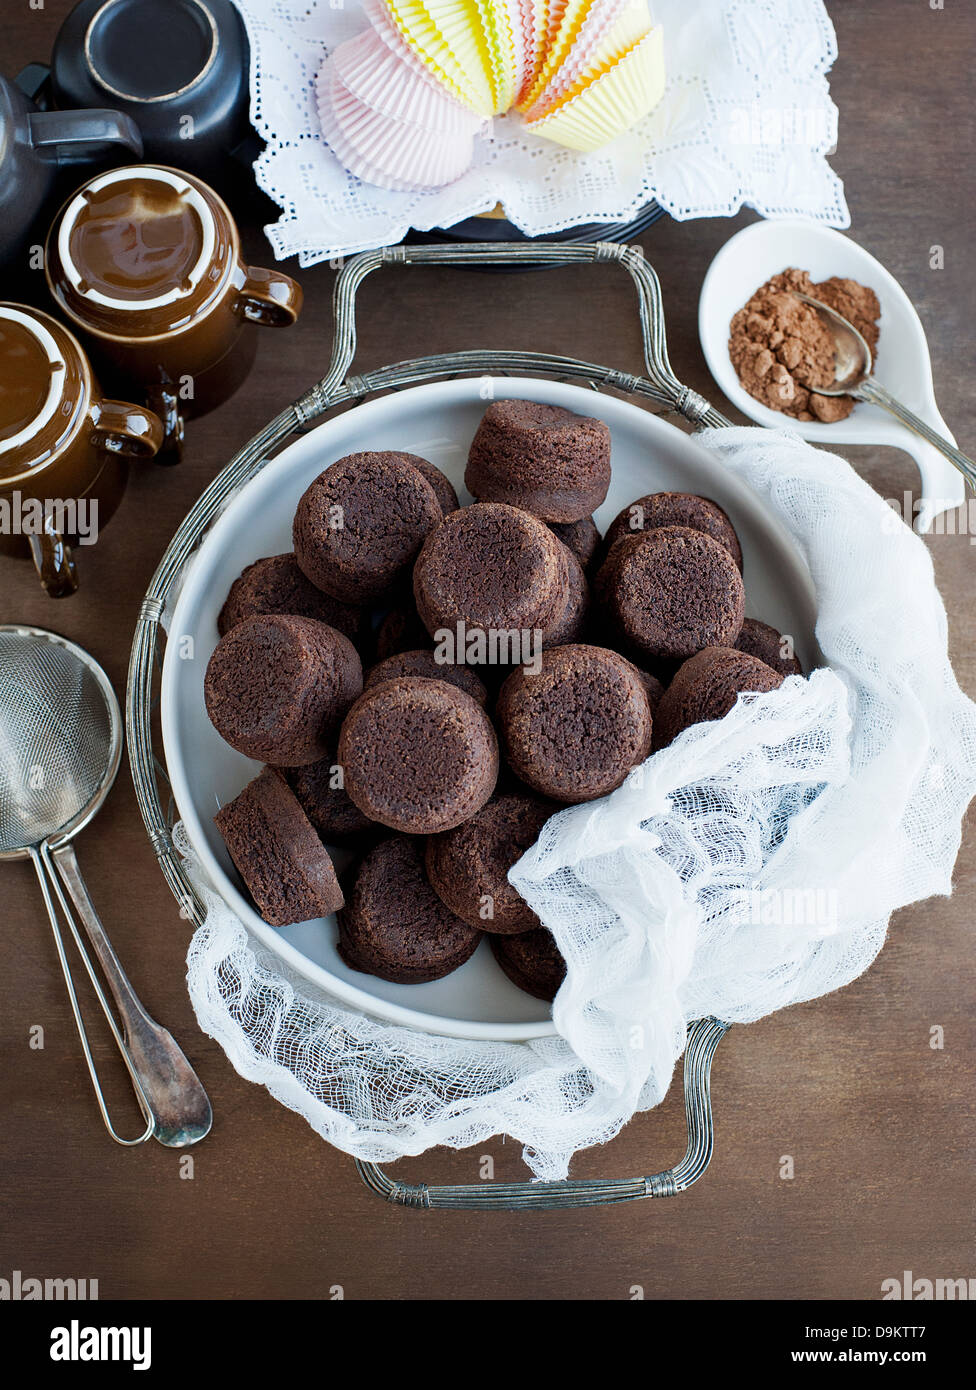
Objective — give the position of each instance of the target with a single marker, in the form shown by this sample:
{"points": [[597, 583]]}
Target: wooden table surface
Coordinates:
{"points": [[879, 1125]]}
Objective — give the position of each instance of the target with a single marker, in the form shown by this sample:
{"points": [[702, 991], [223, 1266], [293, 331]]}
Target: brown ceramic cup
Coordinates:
{"points": [[146, 262], [64, 447]]}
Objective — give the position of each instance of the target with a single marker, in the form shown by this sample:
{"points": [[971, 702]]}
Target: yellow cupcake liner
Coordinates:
{"points": [[460, 23], [448, 36], [603, 105], [503, 70]]}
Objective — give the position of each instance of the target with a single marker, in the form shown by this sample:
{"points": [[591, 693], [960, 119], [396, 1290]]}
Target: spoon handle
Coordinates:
{"points": [[870, 390], [52, 892], [172, 1089]]}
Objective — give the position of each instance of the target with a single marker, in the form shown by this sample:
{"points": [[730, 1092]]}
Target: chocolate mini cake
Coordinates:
{"points": [[418, 755], [574, 730], [570, 621], [706, 687], [675, 509], [337, 819], [277, 853], [759, 639], [424, 663], [277, 686], [654, 687], [605, 578], [540, 457], [492, 568], [401, 629], [532, 961], [468, 866], [672, 591], [277, 585], [440, 482], [394, 925], [581, 537], [359, 526]]}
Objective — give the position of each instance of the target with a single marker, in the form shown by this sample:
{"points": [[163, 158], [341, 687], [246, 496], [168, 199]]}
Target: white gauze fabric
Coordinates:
{"points": [[746, 119], [752, 864]]}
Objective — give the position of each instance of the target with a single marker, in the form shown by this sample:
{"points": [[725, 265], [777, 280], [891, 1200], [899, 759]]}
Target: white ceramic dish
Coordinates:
{"points": [[763, 249], [437, 422]]}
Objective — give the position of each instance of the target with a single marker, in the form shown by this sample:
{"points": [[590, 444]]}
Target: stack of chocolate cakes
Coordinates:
{"points": [[427, 684]]}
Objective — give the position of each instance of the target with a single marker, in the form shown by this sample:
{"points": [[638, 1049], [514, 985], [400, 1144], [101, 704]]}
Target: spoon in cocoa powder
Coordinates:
{"points": [[853, 365]]}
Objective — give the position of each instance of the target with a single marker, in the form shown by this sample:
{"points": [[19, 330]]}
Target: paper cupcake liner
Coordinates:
{"points": [[558, 93], [535, 22], [372, 72], [407, 154], [407, 96], [610, 103], [382, 24], [383, 19], [449, 37], [555, 13], [573, 14], [521, 39], [609, 30], [497, 28], [350, 158]]}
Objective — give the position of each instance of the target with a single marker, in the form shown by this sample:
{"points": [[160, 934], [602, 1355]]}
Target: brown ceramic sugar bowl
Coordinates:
{"points": [[64, 447], [146, 262]]}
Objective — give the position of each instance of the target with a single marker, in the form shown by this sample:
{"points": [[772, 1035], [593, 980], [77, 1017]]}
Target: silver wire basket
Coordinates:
{"points": [[336, 389]]}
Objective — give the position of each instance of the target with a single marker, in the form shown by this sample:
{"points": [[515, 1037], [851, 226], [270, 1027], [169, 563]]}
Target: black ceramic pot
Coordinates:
{"points": [[34, 145], [177, 67]]}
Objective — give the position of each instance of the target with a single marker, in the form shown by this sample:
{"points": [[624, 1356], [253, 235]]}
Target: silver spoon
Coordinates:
{"points": [[60, 747], [853, 366]]}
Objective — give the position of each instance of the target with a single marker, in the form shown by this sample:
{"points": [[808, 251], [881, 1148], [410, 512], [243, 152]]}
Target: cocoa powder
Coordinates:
{"points": [[782, 350]]}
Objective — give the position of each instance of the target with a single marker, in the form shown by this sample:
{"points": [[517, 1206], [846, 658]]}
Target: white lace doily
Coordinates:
{"points": [[746, 119]]}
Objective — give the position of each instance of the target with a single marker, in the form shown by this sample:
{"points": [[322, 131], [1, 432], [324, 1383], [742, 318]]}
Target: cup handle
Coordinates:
{"points": [[162, 401], [82, 132], [269, 298], [122, 428], [54, 562]]}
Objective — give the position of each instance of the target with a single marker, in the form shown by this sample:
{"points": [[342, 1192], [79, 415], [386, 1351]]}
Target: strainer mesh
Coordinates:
{"points": [[55, 738]]}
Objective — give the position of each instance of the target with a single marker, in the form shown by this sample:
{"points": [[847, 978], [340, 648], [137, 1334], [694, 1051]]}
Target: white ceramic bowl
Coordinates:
{"points": [[763, 249], [437, 422]]}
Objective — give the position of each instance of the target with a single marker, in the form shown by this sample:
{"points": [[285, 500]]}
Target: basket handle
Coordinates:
{"points": [[704, 1037], [661, 384]]}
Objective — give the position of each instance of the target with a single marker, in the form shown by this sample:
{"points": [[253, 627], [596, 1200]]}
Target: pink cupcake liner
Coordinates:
{"points": [[385, 26], [395, 154], [376, 75]]}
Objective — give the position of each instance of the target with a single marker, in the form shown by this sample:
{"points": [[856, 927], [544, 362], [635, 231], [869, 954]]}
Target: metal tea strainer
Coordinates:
{"points": [[60, 747]]}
